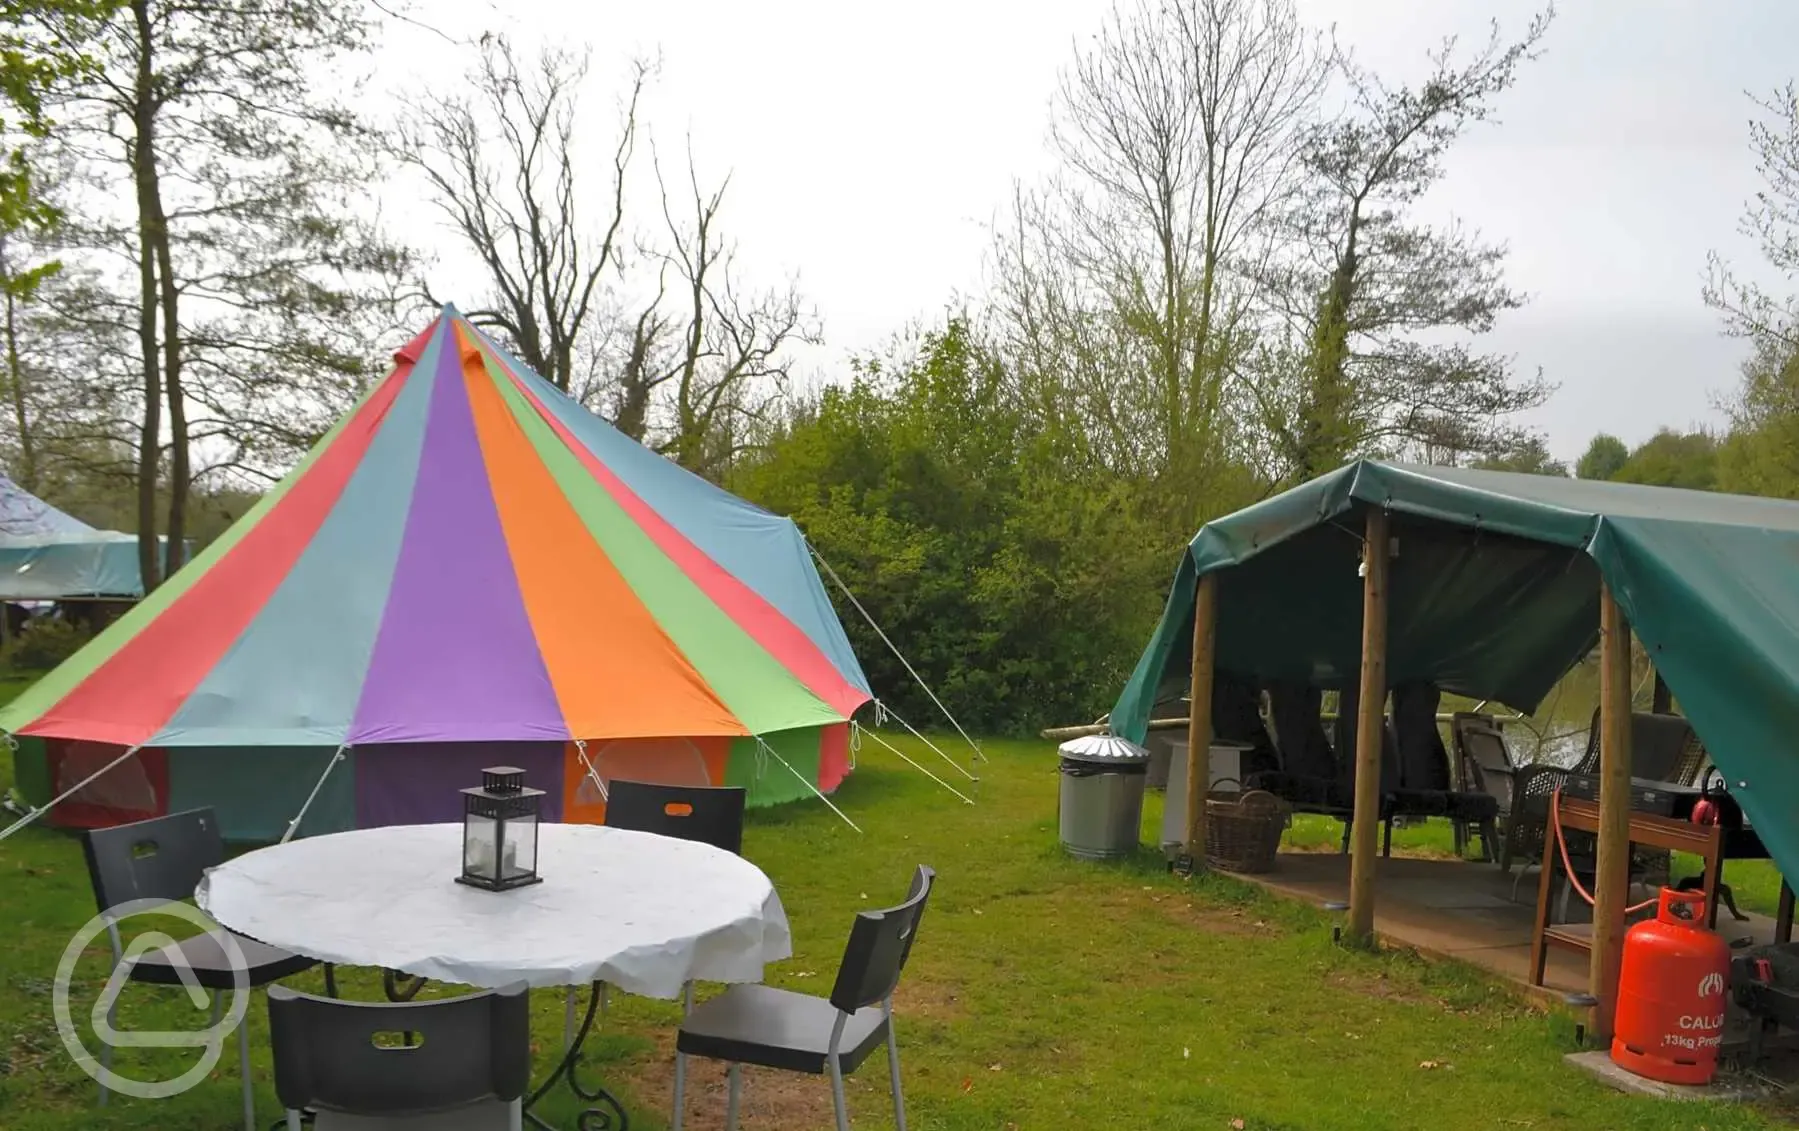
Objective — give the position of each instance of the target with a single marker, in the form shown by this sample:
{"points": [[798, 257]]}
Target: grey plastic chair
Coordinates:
{"points": [[709, 814], [454, 1064], [164, 859], [795, 1032]]}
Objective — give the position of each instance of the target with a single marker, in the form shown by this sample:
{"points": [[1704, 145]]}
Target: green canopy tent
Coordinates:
{"points": [[1494, 591]]}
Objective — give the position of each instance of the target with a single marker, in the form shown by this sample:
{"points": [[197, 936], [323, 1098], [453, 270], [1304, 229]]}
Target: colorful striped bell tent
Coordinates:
{"points": [[470, 568]]}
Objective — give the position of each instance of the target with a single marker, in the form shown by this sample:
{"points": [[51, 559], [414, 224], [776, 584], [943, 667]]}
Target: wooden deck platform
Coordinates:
{"points": [[1459, 909]]}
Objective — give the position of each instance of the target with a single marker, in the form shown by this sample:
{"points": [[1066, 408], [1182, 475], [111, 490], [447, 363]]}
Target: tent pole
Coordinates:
{"points": [[1199, 714], [1611, 880], [1372, 709]]}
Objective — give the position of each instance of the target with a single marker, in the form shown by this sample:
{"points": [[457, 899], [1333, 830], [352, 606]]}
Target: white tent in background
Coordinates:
{"points": [[46, 555]]}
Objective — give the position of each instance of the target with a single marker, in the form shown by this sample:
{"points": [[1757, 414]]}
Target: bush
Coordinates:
{"points": [[44, 643]]}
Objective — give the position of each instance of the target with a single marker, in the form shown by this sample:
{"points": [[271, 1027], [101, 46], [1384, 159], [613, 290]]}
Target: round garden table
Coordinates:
{"points": [[645, 913]]}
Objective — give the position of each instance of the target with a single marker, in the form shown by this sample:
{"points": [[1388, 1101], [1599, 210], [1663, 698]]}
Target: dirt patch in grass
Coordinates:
{"points": [[936, 1001], [771, 1101], [1379, 987], [1182, 908]]}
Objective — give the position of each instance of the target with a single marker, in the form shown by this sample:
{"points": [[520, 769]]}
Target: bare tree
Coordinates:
{"points": [[1121, 281], [501, 166], [1360, 281], [676, 351], [732, 358]]}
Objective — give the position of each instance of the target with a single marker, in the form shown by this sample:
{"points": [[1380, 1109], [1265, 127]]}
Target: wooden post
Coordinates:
{"points": [[1199, 714], [1611, 880], [1372, 711], [1783, 914]]}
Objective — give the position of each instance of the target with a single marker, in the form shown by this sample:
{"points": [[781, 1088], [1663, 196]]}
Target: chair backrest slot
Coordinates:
{"points": [[162, 858], [399, 1058], [880, 943], [707, 814]]}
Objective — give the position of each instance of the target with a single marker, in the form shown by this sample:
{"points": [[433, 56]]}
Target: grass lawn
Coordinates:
{"points": [[1043, 993]]}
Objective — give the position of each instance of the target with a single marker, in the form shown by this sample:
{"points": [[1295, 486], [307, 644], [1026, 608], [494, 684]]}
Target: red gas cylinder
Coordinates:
{"points": [[1671, 985]]}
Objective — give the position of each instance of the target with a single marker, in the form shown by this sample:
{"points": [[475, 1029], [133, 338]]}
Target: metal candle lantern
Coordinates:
{"points": [[499, 831]]}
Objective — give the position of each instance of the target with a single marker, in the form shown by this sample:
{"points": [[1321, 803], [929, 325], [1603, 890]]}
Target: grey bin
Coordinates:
{"points": [[1101, 798]]}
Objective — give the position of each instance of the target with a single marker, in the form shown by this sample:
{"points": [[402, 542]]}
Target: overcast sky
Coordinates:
{"points": [[871, 145]]}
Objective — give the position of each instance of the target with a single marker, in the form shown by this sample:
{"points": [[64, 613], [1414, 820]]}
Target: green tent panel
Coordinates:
{"points": [[1494, 594], [31, 771], [761, 773]]}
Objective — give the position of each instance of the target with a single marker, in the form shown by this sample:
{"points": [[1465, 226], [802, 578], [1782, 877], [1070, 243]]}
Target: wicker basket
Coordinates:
{"points": [[1243, 830]]}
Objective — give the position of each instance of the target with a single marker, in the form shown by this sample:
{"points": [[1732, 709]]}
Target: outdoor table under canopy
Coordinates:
{"points": [[1493, 585]]}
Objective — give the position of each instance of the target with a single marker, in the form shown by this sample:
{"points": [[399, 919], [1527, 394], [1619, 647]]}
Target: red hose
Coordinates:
{"points": [[1555, 822]]}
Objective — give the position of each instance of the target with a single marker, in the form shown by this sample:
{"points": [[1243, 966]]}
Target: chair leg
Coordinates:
{"points": [[681, 1061], [515, 1116], [112, 1024], [243, 1068], [294, 1122], [1386, 846], [568, 1019], [893, 1072], [733, 1095], [838, 1102], [1516, 880], [330, 980]]}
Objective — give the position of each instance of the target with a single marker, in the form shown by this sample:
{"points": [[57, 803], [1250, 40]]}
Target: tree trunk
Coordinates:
{"points": [[149, 210], [26, 471], [179, 473], [1323, 425]]}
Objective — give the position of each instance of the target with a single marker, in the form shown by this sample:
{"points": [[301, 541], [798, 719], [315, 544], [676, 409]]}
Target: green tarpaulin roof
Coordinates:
{"points": [[1494, 594]]}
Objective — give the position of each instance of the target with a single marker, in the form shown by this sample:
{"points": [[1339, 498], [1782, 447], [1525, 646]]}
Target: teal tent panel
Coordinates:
{"points": [[256, 791], [1729, 653], [1494, 593], [53, 567], [295, 675], [767, 781], [1486, 614]]}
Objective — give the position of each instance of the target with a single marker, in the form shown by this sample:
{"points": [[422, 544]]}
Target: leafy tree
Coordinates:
{"points": [[1364, 281], [1603, 459], [1122, 296], [1020, 587], [1761, 454], [220, 232], [1674, 459], [1529, 456]]}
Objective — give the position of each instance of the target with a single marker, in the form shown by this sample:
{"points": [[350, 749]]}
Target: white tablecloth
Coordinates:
{"points": [[641, 912]]}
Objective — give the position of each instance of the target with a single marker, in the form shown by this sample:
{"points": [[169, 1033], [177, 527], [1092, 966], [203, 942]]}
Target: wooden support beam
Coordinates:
{"points": [[1611, 881], [1370, 719], [1199, 715]]}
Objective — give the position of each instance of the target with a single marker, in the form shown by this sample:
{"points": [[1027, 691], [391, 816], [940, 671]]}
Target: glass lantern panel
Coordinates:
{"points": [[521, 848], [480, 843]]}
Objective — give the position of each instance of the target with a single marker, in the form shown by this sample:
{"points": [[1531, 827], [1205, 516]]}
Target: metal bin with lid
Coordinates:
{"points": [[1101, 798]]}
